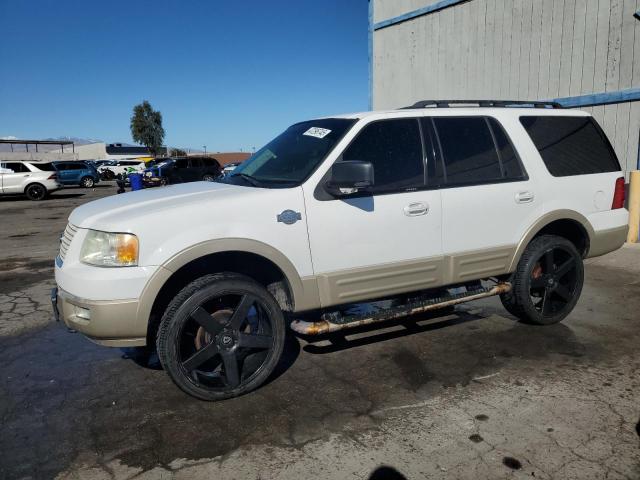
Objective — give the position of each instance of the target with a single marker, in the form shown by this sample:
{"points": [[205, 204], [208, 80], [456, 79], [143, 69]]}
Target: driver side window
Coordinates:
{"points": [[395, 150]]}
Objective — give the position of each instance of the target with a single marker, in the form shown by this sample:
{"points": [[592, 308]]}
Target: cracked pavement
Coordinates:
{"points": [[473, 394]]}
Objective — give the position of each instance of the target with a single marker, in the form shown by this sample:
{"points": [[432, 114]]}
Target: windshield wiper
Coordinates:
{"points": [[253, 181]]}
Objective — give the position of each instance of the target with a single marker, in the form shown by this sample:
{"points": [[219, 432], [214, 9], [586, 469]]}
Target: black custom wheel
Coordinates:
{"points": [[221, 336], [164, 181], [547, 283], [207, 177], [87, 182], [35, 191]]}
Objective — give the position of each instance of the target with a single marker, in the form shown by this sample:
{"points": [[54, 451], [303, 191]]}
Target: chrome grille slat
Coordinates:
{"points": [[66, 239]]}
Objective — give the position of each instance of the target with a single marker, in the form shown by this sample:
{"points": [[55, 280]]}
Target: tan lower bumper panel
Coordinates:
{"points": [[327, 326]]}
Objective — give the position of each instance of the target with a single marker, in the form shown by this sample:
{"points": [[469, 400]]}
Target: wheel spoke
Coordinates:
{"points": [[565, 268], [563, 292], [241, 311], [231, 370], [200, 357], [548, 262], [546, 301], [254, 341], [205, 319]]}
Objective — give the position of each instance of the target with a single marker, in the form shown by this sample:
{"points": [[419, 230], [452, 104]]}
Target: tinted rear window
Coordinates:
{"points": [[45, 167], [571, 145], [476, 150]]}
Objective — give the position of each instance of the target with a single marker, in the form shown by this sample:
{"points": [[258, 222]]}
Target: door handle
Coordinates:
{"points": [[524, 197], [416, 208]]}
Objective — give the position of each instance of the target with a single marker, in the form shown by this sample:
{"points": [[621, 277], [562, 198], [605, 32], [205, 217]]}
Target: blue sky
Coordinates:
{"points": [[227, 74]]}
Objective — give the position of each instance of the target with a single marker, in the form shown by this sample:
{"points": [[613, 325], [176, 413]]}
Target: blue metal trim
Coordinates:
{"points": [[441, 5], [604, 98], [370, 54]]}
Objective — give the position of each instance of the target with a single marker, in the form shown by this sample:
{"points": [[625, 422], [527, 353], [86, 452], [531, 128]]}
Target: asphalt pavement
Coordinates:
{"points": [[474, 394]]}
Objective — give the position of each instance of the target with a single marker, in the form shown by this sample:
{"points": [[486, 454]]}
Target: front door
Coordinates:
{"points": [[16, 181], [388, 241]]}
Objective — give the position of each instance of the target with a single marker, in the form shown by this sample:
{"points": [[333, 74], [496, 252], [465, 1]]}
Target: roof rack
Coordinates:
{"points": [[484, 103]]}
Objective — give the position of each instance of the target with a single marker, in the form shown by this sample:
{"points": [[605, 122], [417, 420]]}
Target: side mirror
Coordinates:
{"points": [[349, 177]]}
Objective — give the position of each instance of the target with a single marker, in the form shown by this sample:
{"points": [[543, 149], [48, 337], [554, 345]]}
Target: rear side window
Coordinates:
{"points": [[475, 150], [394, 148], [571, 145], [45, 167]]}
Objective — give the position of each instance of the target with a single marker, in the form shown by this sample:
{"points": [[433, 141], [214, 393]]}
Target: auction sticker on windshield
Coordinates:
{"points": [[317, 132]]}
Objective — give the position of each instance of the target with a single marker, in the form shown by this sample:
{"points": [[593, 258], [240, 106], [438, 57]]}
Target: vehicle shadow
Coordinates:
{"points": [[388, 330], [21, 198], [386, 472], [147, 357]]}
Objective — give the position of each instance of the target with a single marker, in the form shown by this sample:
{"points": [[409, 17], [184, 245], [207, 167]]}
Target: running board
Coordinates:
{"points": [[334, 321]]}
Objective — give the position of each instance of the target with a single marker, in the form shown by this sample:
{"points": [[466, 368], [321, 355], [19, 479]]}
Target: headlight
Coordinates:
{"points": [[105, 249]]}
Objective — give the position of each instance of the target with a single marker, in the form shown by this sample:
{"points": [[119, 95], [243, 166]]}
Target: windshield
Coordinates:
{"points": [[163, 163], [292, 156]]}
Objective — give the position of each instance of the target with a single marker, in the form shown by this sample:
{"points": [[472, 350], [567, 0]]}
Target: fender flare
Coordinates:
{"points": [[545, 220], [304, 291]]}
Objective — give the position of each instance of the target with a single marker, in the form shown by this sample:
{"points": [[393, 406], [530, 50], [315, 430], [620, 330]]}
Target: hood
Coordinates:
{"points": [[122, 212]]}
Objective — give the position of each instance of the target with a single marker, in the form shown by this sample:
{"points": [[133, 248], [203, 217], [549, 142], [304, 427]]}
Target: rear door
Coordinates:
{"points": [[488, 200]]}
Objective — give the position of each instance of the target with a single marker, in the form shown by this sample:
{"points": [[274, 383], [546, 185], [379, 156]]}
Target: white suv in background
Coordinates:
{"points": [[121, 168], [429, 206], [22, 178]]}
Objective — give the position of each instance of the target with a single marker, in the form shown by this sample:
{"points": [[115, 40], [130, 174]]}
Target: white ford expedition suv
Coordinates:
{"points": [[419, 205]]}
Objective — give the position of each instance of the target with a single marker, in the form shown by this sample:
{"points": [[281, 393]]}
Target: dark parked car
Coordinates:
{"points": [[77, 173], [182, 170]]}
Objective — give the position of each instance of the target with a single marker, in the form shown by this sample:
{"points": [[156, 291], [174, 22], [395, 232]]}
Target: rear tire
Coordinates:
{"points": [[547, 282], [35, 191], [221, 336], [208, 178]]}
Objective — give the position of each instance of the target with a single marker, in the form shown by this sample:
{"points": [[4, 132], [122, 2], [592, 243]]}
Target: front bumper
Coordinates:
{"points": [[110, 323]]}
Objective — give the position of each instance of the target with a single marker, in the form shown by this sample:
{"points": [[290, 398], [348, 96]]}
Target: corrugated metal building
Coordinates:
{"points": [[585, 53]]}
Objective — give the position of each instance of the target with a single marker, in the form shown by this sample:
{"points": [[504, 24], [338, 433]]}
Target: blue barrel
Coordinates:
{"points": [[136, 181]]}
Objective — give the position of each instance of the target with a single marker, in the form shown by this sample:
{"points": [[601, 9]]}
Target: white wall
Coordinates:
{"points": [[513, 49]]}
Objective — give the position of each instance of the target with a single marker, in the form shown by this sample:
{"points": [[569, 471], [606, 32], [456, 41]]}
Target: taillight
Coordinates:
{"points": [[53, 176], [618, 194]]}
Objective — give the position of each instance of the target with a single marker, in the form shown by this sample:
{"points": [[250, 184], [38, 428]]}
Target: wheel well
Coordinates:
{"points": [[571, 230], [258, 268], [32, 184]]}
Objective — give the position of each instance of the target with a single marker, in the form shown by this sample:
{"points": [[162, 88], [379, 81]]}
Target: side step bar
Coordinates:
{"points": [[333, 322]]}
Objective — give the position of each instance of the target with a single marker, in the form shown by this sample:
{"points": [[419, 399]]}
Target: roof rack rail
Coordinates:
{"points": [[485, 103]]}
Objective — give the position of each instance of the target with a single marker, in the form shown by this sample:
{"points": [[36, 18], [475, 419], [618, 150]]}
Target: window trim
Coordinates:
{"points": [[320, 194], [445, 183]]}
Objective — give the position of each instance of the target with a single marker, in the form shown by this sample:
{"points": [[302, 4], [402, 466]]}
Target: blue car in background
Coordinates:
{"points": [[77, 173]]}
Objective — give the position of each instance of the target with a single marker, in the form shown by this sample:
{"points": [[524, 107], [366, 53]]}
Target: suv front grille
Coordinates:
{"points": [[65, 239]]}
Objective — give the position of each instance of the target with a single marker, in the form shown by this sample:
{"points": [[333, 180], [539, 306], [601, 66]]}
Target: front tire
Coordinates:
{"points": [[208, 178], [221, 336], [35, 191], [87, 182], [547, 282]]}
